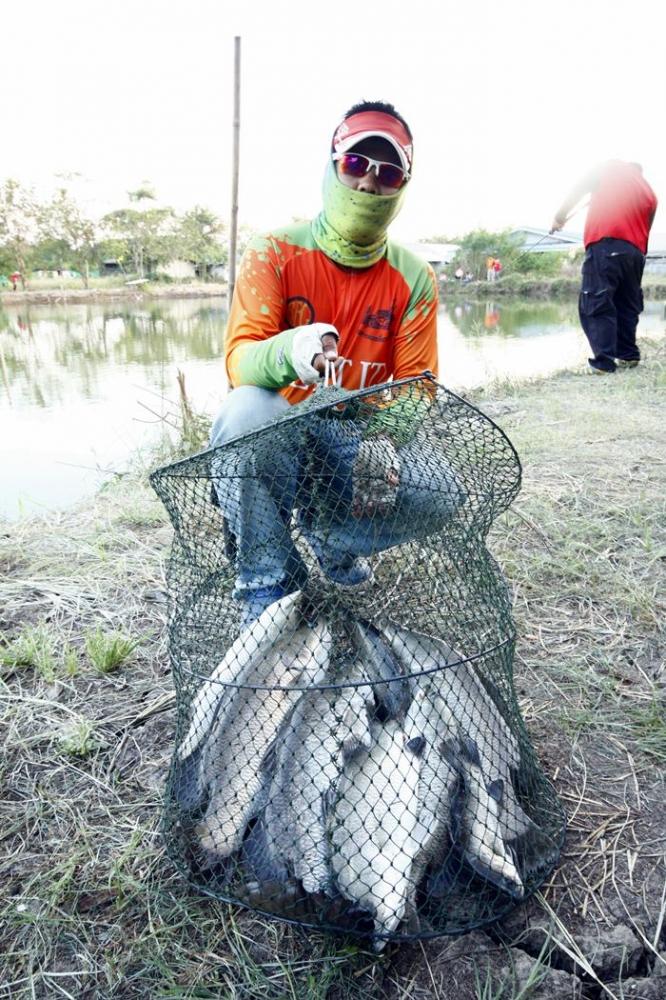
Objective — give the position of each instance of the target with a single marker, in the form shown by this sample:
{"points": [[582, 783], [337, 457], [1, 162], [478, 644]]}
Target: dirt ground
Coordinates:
{"points": [[90, 906]]}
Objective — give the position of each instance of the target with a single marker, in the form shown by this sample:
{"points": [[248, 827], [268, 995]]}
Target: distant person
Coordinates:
{"points": [[469, 277], [492, 316], [497, 267], [460, 274], [619, 217], [490, 269], [15, 277]]}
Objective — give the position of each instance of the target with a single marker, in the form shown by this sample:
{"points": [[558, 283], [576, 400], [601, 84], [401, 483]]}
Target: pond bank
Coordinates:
{"points": [[133, 293], [92, 905], [530, 287]]}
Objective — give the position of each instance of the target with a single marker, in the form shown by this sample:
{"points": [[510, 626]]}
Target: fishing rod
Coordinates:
{"points": [[514, 260]]}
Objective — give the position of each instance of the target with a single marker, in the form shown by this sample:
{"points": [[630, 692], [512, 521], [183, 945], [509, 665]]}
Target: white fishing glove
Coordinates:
{"points": [[305, 346], [375, 476]]}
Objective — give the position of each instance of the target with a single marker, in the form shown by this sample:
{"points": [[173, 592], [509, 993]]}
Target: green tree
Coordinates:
{"points": [[19, 212], [199, 238], [62, 221], [479, 244], [147, 233]]}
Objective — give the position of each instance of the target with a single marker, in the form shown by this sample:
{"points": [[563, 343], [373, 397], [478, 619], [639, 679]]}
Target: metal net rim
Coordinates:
{"points": [[224, 685], [345, 396]]}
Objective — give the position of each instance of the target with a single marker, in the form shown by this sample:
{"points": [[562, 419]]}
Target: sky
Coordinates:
{"points": [[509, 101]]}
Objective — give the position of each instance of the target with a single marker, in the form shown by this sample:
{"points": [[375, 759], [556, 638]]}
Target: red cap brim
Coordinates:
{"points": [[361, 126]]}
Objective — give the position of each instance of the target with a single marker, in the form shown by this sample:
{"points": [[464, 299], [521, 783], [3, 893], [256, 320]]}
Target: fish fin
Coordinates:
{"points": [[416, 745], [259, 857], [440, 882], [470, 750], [186, 783], [328, 800], [495, 789], [351, 746], [269, 761], [447, 749], [514, 821]]}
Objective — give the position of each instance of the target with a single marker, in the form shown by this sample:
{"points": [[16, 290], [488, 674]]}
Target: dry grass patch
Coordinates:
{"points": [[90, 905]]}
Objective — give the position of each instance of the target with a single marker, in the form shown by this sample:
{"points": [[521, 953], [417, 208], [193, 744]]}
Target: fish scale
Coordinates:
{"points": [[372, 826], [473, 708], [325, 727], [232, 758]]}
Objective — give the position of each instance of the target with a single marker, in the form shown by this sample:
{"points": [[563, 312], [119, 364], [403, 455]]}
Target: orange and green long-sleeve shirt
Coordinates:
{"points": [[386, 315]]}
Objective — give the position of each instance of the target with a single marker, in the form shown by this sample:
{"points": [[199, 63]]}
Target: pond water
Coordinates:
{"points": [[83, 387]]}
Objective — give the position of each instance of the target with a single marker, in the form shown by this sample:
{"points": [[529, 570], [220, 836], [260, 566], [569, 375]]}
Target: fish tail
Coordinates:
{"points": [[535, 850], [259, 855]]}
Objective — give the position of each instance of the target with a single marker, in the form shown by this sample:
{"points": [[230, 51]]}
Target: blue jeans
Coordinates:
{"points": [[307, 465]]}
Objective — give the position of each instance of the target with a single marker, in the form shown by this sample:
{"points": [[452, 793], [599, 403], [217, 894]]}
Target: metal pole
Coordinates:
{"points": [[234, 180]]}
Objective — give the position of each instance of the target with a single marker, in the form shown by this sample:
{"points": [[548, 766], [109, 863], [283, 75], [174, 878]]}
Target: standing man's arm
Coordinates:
{"points": [[587, 184]]}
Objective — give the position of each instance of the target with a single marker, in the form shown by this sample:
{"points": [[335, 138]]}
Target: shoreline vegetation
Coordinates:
{"points": [[106, 290], [92, 907]]}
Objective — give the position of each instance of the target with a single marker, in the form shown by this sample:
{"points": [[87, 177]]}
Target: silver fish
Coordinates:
{"points": [[474, 710], [231, 762], [372, 825], [475, 821], [383, 667], [430, 717], [280, 618], [325, 728]]}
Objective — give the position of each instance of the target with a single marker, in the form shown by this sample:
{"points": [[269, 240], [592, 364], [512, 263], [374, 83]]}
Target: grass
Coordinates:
{"points": [[34, 647], [108, 650], [79, 739], [91, 906]]}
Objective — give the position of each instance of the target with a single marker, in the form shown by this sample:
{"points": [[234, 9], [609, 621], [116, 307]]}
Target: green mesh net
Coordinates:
{"points": [[350, 754]]}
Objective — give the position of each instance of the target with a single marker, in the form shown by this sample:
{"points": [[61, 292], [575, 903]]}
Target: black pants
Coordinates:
{"points": [[611, 301]]}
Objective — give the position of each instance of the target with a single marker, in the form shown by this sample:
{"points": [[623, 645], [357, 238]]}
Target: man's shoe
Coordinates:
{"points": [[622, 363], [348, 571], [599, 371], [255, 602]]}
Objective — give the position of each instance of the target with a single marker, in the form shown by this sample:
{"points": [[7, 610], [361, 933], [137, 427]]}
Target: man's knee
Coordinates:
{"points": [[245, 409]]}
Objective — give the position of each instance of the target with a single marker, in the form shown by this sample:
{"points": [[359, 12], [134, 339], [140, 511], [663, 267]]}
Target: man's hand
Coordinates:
{"points": [[329, 352], [312, 346], [375, 477], [557, 224]]}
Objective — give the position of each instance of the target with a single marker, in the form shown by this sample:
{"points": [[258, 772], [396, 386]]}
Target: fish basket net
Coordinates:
{"points": [[350, 753]]}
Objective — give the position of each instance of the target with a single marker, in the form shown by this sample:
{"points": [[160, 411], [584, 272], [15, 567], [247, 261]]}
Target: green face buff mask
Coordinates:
{"points": [[351, 229]]}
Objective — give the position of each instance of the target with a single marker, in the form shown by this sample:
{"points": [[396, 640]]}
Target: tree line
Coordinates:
{"points": [[57, 234]]}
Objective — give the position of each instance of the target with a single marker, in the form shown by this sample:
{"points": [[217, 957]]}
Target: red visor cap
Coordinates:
{"points": [[374, 123]]}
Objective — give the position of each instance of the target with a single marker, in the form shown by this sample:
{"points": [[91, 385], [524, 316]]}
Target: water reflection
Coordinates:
{"points": [[82, 386]]}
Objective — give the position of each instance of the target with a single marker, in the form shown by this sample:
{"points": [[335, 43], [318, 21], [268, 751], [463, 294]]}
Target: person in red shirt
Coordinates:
{"points": [[332, 291], [619, 217]]}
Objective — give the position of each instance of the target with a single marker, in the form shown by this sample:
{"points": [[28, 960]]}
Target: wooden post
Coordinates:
{"points": [[233, 234]]}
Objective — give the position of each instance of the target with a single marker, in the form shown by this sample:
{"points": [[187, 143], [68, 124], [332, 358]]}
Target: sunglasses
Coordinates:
{"points": [[358, 165]]}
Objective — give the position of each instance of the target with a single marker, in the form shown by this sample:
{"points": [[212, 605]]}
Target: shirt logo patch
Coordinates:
{"points": [[299, 312], [379, 321]]}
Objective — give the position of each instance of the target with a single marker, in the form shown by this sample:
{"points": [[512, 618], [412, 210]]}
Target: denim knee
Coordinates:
{"points": [[245, 409]]}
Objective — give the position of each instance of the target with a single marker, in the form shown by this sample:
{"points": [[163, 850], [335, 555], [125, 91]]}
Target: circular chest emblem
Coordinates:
{"points": [[300, 312]]}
